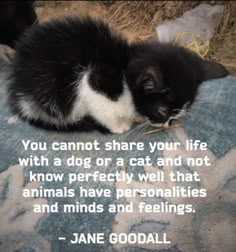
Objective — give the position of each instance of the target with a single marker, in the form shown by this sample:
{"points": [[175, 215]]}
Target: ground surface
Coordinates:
{"points": [[137, 20]]}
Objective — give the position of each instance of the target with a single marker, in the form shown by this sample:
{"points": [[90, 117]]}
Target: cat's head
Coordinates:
{"points": [[164, 80], [152, 97]]}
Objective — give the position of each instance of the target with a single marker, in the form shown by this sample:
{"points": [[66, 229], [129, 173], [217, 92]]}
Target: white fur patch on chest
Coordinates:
{"points": [[117, 116], [100, 107]]}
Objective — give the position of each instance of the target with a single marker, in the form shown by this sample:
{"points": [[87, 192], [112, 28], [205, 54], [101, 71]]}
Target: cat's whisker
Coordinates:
{"points": [[196, 114], [177, 110], [138, 130], [213, 102], [203, 108], [141, 129]]}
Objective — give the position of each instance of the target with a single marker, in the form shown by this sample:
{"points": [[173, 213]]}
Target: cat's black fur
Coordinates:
{"points": [[15, 17], [51, 60], [51, 57], [164, 78]]}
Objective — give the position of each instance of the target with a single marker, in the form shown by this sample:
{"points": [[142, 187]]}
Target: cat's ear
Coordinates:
{"points": [[150, 81], [213, 70]]}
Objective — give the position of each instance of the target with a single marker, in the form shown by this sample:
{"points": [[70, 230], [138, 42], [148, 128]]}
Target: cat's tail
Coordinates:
{"points": [[213, 70]]}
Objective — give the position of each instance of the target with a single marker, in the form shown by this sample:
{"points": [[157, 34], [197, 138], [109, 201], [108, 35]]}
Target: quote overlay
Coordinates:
{"points": [[107, 181]]}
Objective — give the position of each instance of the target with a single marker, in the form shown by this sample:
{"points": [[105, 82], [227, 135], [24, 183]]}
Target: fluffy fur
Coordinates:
{"points": [[67, 71]]}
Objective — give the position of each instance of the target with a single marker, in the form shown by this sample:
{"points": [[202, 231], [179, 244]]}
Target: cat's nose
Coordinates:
{"points": [[161, 116]]}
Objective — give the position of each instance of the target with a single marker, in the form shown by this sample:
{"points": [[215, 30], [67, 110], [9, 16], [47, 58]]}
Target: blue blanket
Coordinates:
{"points": [[212, 119]]}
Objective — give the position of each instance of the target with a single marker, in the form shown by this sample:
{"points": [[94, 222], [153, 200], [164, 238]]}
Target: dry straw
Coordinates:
{"points": [[138, 19], [197, 44], [176, 125]]}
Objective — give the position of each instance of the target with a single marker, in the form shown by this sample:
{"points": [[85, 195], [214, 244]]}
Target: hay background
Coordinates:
{"points": [[137, 20]]}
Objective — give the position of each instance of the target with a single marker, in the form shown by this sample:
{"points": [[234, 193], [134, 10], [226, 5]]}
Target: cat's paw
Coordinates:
{"points": [[139, 118], [121, 127]]}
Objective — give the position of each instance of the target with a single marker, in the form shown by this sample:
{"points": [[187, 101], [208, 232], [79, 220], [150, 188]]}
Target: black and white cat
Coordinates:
{"points": [[78, 74]]}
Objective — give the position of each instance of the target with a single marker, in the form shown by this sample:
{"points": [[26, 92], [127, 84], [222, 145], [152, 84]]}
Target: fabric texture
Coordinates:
{"points": [[212, 228]]}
